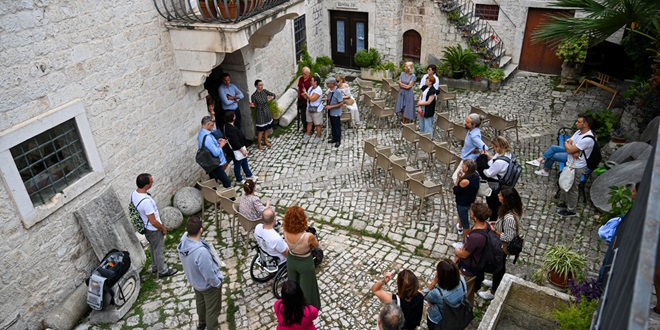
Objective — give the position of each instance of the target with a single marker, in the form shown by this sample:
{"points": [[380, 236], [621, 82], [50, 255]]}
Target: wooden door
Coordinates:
{"points": [[348, 34], [540, 56], [412, 46]]}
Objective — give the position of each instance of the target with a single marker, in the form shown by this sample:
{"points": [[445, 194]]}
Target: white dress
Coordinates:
{"points": [[355, 113]]}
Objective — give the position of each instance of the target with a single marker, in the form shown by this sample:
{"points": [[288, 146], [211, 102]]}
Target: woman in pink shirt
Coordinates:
{"points": [[293, 312]]}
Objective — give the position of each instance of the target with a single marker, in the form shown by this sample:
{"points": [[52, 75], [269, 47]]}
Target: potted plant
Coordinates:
{"points": [[370, 66], [563, 264], [573, 51], [495, 77], [459, 60], [619, 135], [231, 11]]}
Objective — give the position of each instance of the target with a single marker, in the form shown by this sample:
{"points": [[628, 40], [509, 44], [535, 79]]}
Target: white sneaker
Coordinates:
{"points": [[459, 229], [488, 283], [254, 178], [306, 138], [534, 162], [486, 295], [542, 173]]}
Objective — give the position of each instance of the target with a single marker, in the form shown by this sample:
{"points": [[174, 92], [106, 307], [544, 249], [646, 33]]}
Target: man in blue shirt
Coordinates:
{"points": [[334, 103], [473, 145], [215, 147], [229, 96]]}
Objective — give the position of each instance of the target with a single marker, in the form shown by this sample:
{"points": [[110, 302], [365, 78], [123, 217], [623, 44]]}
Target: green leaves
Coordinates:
{"points": [[621, 201], [563, 260], [573, 49], [458, 58]]}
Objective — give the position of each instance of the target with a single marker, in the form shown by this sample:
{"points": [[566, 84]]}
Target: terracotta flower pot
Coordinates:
{"points": [[557, 280], [233, 10], [208, 9]]}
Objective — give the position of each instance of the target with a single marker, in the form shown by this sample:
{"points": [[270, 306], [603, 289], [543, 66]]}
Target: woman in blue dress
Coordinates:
{"points": [[406, 100]]}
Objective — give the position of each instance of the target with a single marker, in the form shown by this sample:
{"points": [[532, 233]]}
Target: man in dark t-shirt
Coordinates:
{"points": [[469, 254]]}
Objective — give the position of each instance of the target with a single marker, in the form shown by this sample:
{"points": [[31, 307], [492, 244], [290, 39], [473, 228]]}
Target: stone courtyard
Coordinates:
{"points": [[367, 229]]}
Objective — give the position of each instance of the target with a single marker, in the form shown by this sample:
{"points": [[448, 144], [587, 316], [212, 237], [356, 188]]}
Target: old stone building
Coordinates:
{"points": [[92, 94]]}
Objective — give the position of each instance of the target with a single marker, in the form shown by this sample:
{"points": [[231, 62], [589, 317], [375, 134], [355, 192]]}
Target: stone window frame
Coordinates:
{"points": [[299, 30], [487, 12], [30, 214]]}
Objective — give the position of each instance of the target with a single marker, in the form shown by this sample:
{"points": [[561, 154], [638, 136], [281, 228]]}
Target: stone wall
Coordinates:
{"points": [[117, 58]]}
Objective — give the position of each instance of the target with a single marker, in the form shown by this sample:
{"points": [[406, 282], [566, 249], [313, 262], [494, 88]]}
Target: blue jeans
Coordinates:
{"points": [[554, 154], [464, 215], [426, 125], [238, 164]]}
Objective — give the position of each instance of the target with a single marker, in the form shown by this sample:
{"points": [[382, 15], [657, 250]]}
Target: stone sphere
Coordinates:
{"points": [[171, 217], [188, 200]]}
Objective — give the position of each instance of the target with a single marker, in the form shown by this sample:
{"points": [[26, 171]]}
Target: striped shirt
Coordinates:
{"points": [[506, 225]]}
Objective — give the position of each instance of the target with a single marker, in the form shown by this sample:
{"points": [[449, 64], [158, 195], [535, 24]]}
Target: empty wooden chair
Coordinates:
{"points": [[477, 109], [428, 146], [228, 206], [393, 95], [404, 174], [445, 156], [603, 80], [409, 134], [384, 160], [346, 116], [248, 226], [369, 99], [442, 122], [211, 192], [459, 132], [363, 86], [445, 96], [500, 124], [370, 147], [425, 189], [381, 112]]}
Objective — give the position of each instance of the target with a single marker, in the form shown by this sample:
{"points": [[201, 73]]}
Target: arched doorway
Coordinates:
{"points": [[412, 46]]}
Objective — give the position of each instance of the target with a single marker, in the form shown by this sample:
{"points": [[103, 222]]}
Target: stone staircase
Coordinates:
{"points": [[480, 36]]}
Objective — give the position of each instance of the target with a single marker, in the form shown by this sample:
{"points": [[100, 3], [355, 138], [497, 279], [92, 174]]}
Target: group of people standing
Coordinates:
{"points": [[311, 100]]}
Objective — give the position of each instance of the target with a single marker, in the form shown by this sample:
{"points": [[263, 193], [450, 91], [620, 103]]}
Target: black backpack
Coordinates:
{"points": [[513, 172], [492, 255], [596, 157]]}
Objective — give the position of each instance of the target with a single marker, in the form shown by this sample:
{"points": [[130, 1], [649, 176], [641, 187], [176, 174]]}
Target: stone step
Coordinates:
{"points": [[509, 69], [504, 61]]}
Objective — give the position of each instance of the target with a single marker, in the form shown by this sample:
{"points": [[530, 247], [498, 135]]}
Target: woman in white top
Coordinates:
{"points": [[346, 89], [431, 70], [496, 171], [314, 109]]}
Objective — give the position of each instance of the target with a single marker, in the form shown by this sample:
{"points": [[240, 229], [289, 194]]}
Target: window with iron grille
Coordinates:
{"points": [[300, 35], [50, 161], [487, 12]]}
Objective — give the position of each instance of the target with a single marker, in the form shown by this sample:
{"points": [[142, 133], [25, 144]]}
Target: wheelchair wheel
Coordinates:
{"points": [[258, 272], [281, 277]]}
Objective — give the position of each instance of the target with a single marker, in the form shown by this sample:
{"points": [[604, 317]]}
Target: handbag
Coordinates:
{"points": [[484, 189], [349, 101], [238, 155], [456, 316], [205, 158], [515, 246], [566, 178]]}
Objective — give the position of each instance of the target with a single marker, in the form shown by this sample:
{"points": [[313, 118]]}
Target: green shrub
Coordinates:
{"points": [[620, 200], [478, 71], [321, 66], [274, 109], [367, 58], [495, 74], [576, 316], [604, 124], [573, 49], [458, 58]]}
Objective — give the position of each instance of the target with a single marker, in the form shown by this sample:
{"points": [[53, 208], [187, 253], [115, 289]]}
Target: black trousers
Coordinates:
{"points": [[302, 113], [335, 122], [497, 277], [494, 204], [220, 175]]}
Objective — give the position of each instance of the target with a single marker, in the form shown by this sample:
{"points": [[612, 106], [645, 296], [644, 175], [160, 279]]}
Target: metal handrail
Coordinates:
{"points": [[212, 11], [503, 12]]}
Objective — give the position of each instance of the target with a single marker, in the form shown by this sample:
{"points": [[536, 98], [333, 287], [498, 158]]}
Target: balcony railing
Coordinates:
{"points": [[213, 11]]}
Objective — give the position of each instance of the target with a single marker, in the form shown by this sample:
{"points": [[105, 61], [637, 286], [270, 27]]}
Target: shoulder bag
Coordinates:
{"points": [[456, 316], [515, 246], [205, 158]]}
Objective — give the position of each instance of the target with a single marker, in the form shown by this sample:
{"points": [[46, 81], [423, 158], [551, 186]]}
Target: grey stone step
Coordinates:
{"points": [[509, 69], [504, 61]]}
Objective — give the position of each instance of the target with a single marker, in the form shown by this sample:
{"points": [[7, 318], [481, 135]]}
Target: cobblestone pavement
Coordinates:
{"points": [[367, 229]]}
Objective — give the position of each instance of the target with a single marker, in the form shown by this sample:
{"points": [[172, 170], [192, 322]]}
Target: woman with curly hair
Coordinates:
{"points": [[408, 297], [293, 311], [299, 261]]}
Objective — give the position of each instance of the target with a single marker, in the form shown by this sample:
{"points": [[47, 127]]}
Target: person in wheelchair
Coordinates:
{"points": [[269, 239]]}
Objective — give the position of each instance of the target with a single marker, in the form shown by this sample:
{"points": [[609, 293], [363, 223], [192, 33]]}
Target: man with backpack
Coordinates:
{"points": [[154, 230], [578, 153], [206, 138], [479, 253]]}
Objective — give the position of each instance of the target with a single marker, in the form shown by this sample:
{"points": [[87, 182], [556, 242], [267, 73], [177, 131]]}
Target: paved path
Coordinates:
{"points": [[366, 229]]}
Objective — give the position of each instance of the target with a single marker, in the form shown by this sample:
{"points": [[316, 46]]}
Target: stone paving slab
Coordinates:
{"points": [[366, 229]]}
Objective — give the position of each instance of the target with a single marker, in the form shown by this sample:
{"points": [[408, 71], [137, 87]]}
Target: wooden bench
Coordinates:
{"points": [[602, 80]]}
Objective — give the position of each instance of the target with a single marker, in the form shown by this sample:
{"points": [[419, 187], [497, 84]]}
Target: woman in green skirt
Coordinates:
{"points": [[299, 260]]}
